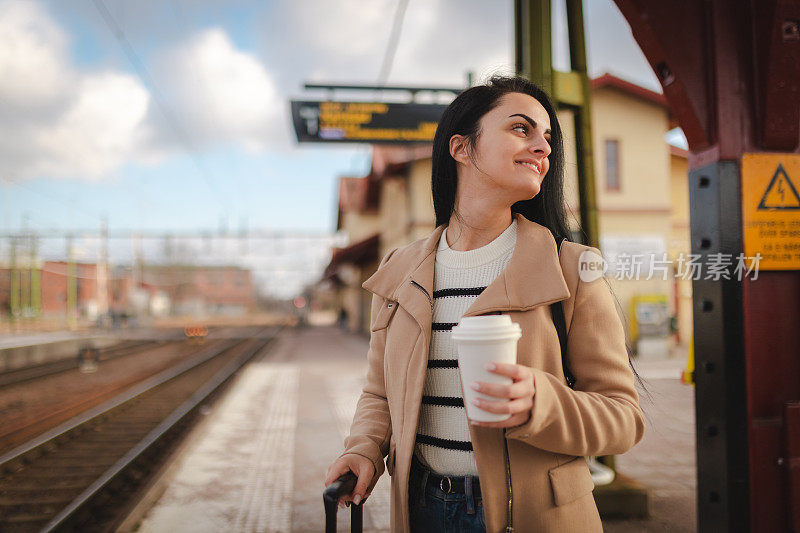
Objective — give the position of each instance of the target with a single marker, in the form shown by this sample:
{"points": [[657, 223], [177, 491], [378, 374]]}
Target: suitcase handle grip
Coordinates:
{"points": [[333, 492], [341, 487]]}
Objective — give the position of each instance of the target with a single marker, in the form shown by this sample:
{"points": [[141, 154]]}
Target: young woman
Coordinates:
{"points": [[498, 196]]}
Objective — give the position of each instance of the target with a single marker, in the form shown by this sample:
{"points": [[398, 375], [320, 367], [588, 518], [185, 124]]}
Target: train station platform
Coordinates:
{"points": [[16, 340], [10, 341], [258, 459]]}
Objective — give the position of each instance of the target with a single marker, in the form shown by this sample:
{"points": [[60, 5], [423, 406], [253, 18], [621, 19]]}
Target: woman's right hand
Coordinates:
{"points": [[361, 467]]}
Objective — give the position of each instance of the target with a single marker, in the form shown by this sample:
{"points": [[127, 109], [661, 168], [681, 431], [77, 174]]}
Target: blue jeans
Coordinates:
{"points": [[434, 511]]}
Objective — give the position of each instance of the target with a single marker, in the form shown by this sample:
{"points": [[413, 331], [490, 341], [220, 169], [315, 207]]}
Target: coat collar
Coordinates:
{"points": [[532, 276]]}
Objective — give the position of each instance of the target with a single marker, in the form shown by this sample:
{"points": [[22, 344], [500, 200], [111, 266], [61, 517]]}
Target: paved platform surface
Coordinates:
{"points": [[15, 340], [258, 461], [664, 460], [18, 340]]}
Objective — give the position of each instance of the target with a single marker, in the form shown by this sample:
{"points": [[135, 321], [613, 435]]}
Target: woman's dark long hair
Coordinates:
{"points": [[462, 117]]}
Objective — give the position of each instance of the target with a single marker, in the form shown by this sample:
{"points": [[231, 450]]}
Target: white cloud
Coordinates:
{"points": [[351, 28], [442, 40], [439, 42], [32, 64], [100, 129], [59, 122], [216, 93]]}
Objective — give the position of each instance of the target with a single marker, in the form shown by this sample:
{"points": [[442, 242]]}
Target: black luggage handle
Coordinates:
{"points": [[333, 492]]}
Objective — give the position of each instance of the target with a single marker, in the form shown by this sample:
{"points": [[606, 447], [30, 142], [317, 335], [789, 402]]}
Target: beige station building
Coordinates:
{"points": [[643, 212]]}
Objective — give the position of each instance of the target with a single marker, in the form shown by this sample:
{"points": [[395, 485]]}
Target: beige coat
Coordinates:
{"points": [[550, 484]]}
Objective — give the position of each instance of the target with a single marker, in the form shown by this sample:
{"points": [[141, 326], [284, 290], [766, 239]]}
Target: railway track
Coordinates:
{"points": [[86, 474], [22, 422]]}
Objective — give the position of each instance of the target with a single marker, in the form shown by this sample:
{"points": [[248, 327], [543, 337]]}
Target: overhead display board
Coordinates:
{"points": [[771, 209], [365, 122]]}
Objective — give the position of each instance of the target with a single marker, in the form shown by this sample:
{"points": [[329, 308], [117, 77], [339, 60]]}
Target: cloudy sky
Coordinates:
{"points": [[175, 114]]}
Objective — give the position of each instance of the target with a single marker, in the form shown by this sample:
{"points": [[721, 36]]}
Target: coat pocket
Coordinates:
{"points": [[570, 481], [390, 459], [384, 315]]}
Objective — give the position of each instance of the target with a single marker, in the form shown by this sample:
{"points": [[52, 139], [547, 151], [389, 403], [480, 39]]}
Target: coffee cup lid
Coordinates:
{"points": [[488, 327]]}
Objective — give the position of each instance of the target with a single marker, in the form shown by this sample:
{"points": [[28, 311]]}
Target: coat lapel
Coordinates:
{"points": [[532, 277], [408, 279]]}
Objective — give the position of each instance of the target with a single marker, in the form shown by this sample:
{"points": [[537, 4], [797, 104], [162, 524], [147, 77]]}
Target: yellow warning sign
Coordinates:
{"points": [[771, 209]]}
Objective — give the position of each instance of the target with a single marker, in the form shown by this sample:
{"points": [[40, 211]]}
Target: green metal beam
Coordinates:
{"points": [[583, 125], [533, 48], [13, 297], [36, 291], [568, 89], [36, 279], [533, 42], [72, 287]]}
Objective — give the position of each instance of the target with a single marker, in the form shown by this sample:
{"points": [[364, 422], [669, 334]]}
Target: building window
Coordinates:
{"points": [[612, 165]]}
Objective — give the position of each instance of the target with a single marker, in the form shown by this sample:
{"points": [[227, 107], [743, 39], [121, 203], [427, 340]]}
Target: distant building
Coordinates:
{"points": [[642, 200], [55, 289], [389, 207], [164, 289], [42, 288], [200, 290]]}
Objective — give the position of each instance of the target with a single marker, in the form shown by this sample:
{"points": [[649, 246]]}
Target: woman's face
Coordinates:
{"points": [[513, 147]]}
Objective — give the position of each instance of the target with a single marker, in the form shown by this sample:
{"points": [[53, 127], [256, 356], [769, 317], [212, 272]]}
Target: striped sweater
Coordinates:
{"points": [[443, 441]]}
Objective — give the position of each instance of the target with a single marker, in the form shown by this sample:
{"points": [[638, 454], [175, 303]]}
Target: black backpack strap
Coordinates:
{"points": [[557, 310]]}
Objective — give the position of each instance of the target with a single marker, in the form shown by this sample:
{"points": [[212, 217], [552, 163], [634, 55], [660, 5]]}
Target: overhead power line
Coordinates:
{"points": [[54, 198], [388, 57], [147, 79]]}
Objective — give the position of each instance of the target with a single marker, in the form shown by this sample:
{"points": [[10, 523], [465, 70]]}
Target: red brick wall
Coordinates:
{"points": [[54, 286]]}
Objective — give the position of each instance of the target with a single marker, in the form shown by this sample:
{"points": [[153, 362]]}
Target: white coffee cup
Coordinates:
{"points": [[481, 340]]}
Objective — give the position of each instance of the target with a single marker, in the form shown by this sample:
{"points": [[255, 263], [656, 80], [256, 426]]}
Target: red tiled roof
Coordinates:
{"points": [[678, 152], [352, 192], [358, 253], [609, 80], [389, 159]]}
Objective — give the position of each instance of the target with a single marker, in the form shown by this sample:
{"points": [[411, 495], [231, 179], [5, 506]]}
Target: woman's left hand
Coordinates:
{"points": [[517, 398]]}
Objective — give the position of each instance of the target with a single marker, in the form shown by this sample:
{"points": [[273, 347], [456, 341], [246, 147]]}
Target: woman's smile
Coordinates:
{"points": [[531, 164]]}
